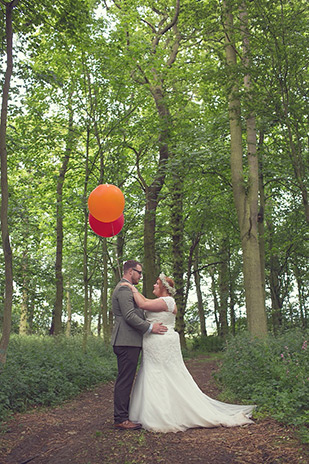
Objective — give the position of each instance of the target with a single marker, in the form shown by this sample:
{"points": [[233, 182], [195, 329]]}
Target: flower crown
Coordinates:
{"points": [[171, 290]]}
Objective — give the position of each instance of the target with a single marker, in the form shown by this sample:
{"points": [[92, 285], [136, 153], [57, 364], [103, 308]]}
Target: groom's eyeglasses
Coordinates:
{"points": [[140, 272]]}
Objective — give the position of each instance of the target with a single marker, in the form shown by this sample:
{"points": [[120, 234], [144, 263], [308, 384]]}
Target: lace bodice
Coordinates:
{"points": [[166, 317]]}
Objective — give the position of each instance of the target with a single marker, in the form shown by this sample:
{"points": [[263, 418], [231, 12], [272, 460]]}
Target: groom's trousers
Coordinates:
{"points": [[127, 359]]}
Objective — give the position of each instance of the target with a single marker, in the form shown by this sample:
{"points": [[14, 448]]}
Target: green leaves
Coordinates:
{"points": [[273, 374], [109, 64]]}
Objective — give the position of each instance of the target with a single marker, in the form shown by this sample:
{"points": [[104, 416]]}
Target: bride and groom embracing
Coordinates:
{"points": [[165, 397]]}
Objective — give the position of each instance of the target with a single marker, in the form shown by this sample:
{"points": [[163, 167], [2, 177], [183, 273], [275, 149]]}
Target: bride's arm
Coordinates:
{"points": [[147, 304]]}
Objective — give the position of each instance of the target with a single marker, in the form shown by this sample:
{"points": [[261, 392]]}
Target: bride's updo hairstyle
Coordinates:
{"points": [[168, 284]]}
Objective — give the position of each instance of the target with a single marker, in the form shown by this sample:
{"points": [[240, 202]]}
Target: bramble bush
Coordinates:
{"points": [[271, 373], [44, 371]]}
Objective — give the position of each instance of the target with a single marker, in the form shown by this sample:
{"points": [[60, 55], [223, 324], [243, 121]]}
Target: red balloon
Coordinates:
{"points": [[106, 202], [106, 229]]}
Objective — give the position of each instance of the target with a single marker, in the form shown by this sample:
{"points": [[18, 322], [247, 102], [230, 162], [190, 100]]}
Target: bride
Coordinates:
{"points": [[165, 398]]}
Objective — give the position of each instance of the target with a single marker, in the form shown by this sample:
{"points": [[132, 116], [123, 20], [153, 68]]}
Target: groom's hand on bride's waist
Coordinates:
{"points": [[159, 328]]}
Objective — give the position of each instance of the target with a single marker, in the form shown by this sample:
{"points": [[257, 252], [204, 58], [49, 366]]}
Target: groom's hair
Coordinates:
{"points": [[130, 265]]}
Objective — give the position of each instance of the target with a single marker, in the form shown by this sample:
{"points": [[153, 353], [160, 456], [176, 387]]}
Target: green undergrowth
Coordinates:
{"points": [[44, 371], [271, 373], [210, 345]]}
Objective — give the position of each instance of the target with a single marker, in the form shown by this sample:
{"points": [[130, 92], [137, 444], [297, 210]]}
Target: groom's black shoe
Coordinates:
{"points": [[128, 425]]}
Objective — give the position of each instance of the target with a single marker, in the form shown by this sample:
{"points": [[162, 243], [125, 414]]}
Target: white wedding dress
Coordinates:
{"points": [[165, 398]]}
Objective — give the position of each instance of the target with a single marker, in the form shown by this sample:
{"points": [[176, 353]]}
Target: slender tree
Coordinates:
{"points": [[223, 287], [23, 322], [149, 68], [177, 227], [7, 251], [200, 304], [69, 312], [245, 192], [56, 327]]}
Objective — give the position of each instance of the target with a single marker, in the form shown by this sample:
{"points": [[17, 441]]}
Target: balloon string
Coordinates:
{"points": [[118, 263], [119, 271]]}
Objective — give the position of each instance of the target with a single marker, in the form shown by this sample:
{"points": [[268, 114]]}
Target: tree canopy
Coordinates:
{"points": [[149, 96]]}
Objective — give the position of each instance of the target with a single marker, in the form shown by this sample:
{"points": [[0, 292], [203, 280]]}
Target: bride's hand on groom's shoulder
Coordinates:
{"points": [[125, 284]]}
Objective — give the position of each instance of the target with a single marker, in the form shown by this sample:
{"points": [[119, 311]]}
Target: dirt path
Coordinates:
{"points": [[81, 432]]}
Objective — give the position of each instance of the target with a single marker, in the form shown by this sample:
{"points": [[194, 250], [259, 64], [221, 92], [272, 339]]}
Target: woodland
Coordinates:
{"points": [[197, 111]]}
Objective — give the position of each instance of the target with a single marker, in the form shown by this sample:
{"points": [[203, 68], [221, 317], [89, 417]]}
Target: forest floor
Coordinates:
{"points": [[81, 432]]}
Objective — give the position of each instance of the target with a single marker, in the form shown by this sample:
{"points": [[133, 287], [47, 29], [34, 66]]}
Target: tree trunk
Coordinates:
{"points": [[86, 296], [261, 213], [156, 88], [152, 194], [303, 312], [232, 309], [276, 300], [99, 321], [223, 289], [274, 282], [69, 312], [7, 251], [200, 305], [149, 264], [30, 316], [85, 247], [245, 196], [194, 245], [23, 321], [215, 298], [56, 327], [177, 251], [89, 321], [233, 273]]}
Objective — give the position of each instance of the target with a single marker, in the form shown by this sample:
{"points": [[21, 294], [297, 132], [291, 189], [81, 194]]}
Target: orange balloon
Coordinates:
{"points": [[106, 203]]}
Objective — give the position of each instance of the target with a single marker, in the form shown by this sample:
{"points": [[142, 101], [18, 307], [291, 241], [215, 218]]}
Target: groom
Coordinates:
{"points": [[127, 336]]}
